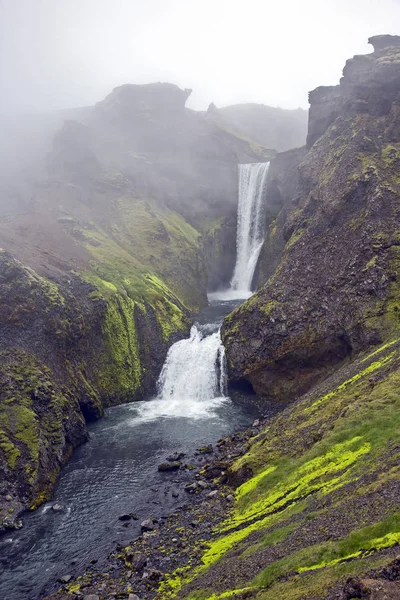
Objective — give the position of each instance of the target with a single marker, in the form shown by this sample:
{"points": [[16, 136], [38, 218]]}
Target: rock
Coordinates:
{"points": [[169, 466], [148, 535], [125, 517], [152, 575], [57, 507], [202, 484], [8, 498], [91, 597], [133, 597], [147, 525], [230, 498], [190, 488], [175, 494], [65, 579], [256, 423], [176, 457], [138, 562], [213, 494], [206, 449]]}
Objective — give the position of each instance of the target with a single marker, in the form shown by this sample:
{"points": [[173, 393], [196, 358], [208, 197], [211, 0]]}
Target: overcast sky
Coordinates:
{"points": [[66, 53]]}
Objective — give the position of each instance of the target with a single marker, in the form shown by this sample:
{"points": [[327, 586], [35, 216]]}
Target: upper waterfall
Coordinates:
{"points": [[250, 224]]}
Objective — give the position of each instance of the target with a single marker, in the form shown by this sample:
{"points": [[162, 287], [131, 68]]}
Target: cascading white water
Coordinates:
{"points": [[192, 380], [250, 225]]}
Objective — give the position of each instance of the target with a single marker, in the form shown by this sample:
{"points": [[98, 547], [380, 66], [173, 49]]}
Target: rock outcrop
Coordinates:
{"points": [[334, 288]]}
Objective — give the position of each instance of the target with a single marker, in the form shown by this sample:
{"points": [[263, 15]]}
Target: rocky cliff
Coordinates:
{"points": [[105, 257], [331, 255]]}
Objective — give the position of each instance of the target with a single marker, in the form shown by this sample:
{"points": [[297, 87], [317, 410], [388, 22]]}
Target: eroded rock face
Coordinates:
{"points": [[334, 290], [370, 85]]}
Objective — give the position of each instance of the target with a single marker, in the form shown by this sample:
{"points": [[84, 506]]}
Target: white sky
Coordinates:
{"points": [[65, 53]]}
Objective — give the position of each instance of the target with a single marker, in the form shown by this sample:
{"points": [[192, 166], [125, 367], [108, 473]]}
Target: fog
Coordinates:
{"points": [[66, 53]]}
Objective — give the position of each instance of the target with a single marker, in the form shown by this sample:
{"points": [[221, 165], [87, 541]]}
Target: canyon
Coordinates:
{"points": [[110, 245]]}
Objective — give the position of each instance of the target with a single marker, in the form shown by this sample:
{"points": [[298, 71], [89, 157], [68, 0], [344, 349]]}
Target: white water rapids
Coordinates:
{"points": [[193, 379]]}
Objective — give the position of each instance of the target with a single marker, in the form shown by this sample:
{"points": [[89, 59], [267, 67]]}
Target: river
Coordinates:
{"points": [[116, 472]]}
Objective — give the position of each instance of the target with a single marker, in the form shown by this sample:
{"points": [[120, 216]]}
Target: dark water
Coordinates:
{"points": [[114, 473]]}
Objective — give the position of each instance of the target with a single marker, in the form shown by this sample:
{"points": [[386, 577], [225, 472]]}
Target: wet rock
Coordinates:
{"points": [[65, 579], [177, 456], [206, 449], [169, 466], [57, 507], [147, 525], [190, 488], [175, 494], [202, 484]]}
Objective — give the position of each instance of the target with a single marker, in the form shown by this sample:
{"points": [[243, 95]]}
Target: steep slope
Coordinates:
{"points": [[103, 264], [269, 126], [334, 247]]}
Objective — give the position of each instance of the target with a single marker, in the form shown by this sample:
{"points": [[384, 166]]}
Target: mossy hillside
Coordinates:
{"points": [[148, 269], [323, 500], [145, 239], [40, 424]]}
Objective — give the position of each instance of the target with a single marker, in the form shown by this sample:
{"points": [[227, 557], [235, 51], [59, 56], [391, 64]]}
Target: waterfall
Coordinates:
{"points": [[192, 380], [250, 224]]}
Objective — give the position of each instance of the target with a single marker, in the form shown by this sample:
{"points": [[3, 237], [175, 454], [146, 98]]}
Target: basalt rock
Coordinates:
{"points": [[332, 288]]}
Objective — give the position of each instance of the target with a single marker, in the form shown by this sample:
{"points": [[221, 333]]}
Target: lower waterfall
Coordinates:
{"points": [[193, 378]]}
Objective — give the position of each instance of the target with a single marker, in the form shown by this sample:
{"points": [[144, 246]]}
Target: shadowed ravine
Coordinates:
{"points": [[116, 472]]}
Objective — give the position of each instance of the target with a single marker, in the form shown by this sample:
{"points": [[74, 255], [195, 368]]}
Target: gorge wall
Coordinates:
{"points": [[330, 258], [107, 245]]}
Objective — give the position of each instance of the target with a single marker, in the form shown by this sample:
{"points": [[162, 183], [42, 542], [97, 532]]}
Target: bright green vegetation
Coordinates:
{"points": [[33, 416], [313, 512], [148, 269]]}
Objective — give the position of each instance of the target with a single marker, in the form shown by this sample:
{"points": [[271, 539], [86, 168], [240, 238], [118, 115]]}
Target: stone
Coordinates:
{"points": [[230, 498], [190, 488], [206, 449], [177, 456], [175, 494], [256, 423], [138, 562], [125, 517], [213, 494], [65, 579], [57, 507], [91, 597], [169, 466], [202, 484], [8, 498], [147, 525], [133, 597]]}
